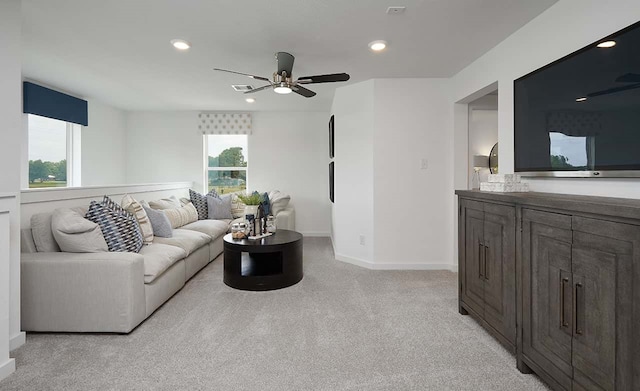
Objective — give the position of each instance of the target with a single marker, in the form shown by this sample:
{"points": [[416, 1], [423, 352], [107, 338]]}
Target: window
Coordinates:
{"points": [[226, 160], [54, 152], [570, 152]]}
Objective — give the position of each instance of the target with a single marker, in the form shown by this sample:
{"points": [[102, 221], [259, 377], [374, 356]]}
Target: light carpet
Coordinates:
{"points": [[341, 328]]}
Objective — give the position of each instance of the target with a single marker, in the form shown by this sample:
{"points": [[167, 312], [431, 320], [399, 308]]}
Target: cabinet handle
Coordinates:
{"points": [[480, 265], [486, 274], [563, 321], [578, 330]]}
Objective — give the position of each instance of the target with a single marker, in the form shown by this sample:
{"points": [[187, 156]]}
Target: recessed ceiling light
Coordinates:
{"points": [[607, 44], [250, 100], [180, 44], [377, 46], [581, 99]]}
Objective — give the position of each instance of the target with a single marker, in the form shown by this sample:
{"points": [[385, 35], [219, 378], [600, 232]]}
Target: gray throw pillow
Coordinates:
{"points": [[75, 234], [42, 234], [160, 222], [219, 208]]}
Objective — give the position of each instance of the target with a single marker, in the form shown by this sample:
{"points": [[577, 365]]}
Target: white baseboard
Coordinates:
{"points": [[396, 266], [17, 340], [315, 234], [7, 368]]}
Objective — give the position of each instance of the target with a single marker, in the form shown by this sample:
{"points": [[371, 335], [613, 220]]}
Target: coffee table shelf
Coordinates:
{"points": [[269, 263]]}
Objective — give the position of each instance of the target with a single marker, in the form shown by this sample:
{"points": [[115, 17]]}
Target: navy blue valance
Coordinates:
{"points": [[48, 103]]}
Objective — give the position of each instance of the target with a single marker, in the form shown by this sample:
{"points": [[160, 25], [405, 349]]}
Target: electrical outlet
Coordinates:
{"points": [[362, 241], [424, 164]]}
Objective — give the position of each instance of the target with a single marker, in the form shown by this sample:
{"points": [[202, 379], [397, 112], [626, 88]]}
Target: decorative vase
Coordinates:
{"points": [[251, 210]]}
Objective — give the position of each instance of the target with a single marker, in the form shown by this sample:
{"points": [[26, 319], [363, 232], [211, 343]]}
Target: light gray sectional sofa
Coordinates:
{"points": [[113, 291]]}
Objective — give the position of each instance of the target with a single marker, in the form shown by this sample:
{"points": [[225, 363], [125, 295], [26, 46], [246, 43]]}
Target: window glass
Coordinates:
{"points": [[227, 163], [47, 152]]}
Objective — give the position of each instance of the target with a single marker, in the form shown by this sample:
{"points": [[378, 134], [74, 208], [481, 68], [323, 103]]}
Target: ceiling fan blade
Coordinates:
{"points": [[285, 63], [332, 78], [629, 78], [243, 74], [303, 91], [258, 89], [613, 90]]}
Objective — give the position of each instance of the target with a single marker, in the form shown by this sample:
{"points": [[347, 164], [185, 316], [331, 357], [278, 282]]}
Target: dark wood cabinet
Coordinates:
{"points": [[577, 276], [487, 266]]}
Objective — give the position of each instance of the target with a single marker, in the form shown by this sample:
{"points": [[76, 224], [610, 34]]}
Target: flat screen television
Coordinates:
{"points": [[580, 116]]}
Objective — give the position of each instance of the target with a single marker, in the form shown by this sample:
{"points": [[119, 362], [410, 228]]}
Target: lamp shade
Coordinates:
{"points": [[480, 161]]}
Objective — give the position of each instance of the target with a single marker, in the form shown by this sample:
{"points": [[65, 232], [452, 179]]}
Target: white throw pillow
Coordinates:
{"points": [[279, 201], [165, 203], [75, 234], [181, 216]]}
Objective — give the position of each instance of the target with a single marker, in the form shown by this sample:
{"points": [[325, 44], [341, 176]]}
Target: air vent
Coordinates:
{"points": [[396, 10], [242, 87]]}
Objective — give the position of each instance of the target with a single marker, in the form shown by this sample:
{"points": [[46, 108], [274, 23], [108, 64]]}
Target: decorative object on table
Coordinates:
{"points": [[331, 137], [250, 224], [331, 169], [493, 159], [271, 224], [251, 202], [504, 183], [479, 162], [238, 230]]}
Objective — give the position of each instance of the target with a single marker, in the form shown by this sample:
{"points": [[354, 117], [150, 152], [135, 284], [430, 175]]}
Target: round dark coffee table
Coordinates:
{"points": [[264, 264]]}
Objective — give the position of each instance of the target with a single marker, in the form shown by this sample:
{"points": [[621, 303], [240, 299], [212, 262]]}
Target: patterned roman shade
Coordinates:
{"points": [[224, 123]]}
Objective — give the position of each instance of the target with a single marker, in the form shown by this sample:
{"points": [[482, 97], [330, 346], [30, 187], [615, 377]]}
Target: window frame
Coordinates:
{"points": [[207, 169]]}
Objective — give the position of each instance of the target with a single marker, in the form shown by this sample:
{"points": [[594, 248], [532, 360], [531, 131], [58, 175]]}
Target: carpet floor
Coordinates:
{"points": [[341, 328]]}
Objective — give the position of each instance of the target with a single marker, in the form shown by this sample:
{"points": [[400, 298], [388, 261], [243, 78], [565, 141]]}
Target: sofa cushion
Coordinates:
{"points": [[132, 206], [119, 228], [159, 221], [42, 234], [75, 234], [219, 208], [181, 216], [165, 203], [158, 258], [186, 239], [213, 228]]}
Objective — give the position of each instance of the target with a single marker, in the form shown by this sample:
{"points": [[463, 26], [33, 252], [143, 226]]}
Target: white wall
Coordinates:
{"points": [[352, 212], [10, 157], [287, 151], [104, 146], [564, 28], [412, 119]]}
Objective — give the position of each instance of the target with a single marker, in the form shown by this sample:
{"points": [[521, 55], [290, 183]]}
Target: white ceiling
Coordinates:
{"points": [[118, 51]]}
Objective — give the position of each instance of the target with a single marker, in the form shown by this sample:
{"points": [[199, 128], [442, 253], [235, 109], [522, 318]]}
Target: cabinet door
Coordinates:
{"points": [[603, 259], [473, 279], [499, 269], [546, 292]]}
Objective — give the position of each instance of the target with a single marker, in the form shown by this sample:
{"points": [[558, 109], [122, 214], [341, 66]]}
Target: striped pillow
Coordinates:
{"points": [[181, 216], [132, 206], [119, 228]]}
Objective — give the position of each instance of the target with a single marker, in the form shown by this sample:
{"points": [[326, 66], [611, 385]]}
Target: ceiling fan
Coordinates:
{"points": [[633, 80], [283, 82]]}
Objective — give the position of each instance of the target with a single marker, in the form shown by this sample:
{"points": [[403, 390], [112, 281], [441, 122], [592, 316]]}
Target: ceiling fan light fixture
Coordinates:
{"points": [[377, 46], [180, 44], [581, 99], [250, 100], [282, 89], [607, 44]]}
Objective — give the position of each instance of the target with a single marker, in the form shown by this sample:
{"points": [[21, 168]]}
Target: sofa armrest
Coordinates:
{"points": [[286, 219], [82, 292]]}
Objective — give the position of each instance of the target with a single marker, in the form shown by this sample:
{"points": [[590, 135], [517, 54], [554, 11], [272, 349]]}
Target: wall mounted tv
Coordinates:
{"points": [[580, 116]]}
